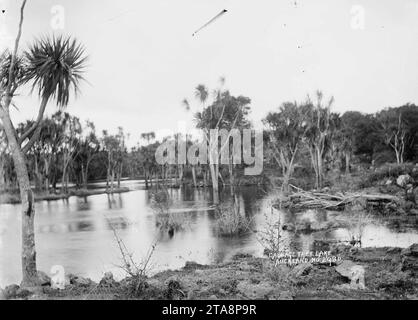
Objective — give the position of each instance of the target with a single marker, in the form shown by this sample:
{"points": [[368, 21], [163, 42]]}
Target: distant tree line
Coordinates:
{"points": [[69, 151], [297, 131]]}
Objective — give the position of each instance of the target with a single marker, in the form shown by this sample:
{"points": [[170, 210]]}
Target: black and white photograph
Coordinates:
{"points": [[215, 150]]}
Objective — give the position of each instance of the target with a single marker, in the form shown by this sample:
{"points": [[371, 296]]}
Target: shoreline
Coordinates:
{"points": [[14, 198], [389, 273]]}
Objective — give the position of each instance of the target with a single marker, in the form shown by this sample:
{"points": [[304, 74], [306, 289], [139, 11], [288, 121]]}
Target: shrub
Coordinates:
{"points": [[230, 221], [166, 220], [390, 171], [171, 221], [136, 271], [270, 237], [160, 201]]}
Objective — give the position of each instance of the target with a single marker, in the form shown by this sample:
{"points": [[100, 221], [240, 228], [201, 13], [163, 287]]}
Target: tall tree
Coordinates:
{"points": [[286, 130], [54, 66], [88, 150], [114, 146], [202, 94], [394, 131], [228, 112], [318, 132], [356, 137], [399, 129], [148, 136]]}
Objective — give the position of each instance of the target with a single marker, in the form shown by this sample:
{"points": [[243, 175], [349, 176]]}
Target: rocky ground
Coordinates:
{"points": [[387, 273]]}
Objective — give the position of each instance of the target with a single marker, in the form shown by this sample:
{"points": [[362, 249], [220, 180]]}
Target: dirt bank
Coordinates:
{"points": [[389, 273]]}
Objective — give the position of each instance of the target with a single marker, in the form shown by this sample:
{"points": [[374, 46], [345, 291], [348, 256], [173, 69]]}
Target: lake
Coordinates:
{"points": [[78, 233]]}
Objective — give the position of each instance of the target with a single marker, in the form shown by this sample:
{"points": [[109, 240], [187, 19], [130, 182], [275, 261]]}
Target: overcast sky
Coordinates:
{"points": [[143, 59]]}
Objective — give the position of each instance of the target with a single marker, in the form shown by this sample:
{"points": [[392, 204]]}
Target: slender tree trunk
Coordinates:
{"points": [[402, 151], [2, 176], [181, 173], [237, 207], [64, 173], [205, 176], [46, 172], [83, 179], [146, 175], [64, 180], [320, 168], [347, 163], [67, 180], [291, 166], [287, 172], [317, 164], [231, 176], [29, 272], [86, 175], [214, 169], [38, 185], [398, 158], [166, 173], [112, 181], [119, 175], [194, 176], [108, 171], [215, 184], [107, 179], [315, 167]]}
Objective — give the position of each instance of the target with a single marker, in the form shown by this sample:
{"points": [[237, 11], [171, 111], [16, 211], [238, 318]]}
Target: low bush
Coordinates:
{"points": [[390, 171], [230, 222]]}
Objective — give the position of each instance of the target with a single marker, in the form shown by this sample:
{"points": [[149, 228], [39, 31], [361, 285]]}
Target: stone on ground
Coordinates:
{"points": [[354, 272], [403, 180], [44, 279]]}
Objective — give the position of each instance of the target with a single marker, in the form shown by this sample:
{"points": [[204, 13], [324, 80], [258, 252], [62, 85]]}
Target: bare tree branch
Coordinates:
{"points": [[13, 59]]}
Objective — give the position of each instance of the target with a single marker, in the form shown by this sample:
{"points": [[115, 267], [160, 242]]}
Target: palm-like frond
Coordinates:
{"points": [[201, 93], [55, 65], [19, 70], [186, 104]]}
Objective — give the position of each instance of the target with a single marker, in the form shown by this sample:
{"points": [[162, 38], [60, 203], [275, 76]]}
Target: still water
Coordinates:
{"points": [[78, 233]]}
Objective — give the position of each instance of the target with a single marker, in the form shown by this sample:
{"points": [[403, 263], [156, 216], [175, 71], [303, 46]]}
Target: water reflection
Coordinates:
{"points": [[78, 233]]}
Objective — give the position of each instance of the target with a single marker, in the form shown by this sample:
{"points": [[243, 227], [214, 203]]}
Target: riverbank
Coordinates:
{"points": [[389, 273], [14, 198], [390, 190]]}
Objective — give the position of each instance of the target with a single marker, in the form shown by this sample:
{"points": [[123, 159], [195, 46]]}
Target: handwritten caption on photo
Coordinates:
{"points": [[292, 258]]}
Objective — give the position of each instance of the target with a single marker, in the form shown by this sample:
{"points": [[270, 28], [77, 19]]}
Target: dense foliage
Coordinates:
{"points": [[298, 136]]}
